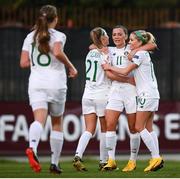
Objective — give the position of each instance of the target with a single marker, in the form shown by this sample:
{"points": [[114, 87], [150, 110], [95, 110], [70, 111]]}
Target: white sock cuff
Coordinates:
{"points": [[144, 131], [56, 135], [38, 124], [88, 133], [153, 133], [110, 134], [103, 134], [135, 135]]}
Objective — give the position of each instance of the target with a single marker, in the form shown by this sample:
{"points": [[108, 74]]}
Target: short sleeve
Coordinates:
{"points": [[138, 58], [61, 37], [26, 44]]}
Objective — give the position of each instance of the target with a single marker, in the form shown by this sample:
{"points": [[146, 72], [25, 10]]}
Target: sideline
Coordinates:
{"points": [[175, 157]]}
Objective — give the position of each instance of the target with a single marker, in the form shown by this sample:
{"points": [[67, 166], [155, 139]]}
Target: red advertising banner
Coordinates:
{"points": [[16, 117]]}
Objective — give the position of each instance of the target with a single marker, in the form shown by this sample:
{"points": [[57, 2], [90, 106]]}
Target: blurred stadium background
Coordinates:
{"points": [[77, 18]]}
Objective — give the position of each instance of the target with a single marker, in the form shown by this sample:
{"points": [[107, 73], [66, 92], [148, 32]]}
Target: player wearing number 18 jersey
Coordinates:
{"points": [[46, 70], [43, 52]]}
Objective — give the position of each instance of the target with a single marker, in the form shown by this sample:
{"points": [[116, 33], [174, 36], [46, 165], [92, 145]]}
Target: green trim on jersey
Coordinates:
{"points": [[152, 71], [33, 46]]}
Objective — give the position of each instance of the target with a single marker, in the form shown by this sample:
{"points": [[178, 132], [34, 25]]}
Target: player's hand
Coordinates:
{"points": [[131, 81], [104, 50], [131, 54], [92, 46], [106, 66], [72, 72]]}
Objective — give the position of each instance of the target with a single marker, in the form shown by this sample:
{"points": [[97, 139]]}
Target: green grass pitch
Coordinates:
{"points": [[13, 169]]}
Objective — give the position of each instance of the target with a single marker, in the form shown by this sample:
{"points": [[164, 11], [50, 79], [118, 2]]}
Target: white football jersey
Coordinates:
{"points": [[47, 72], [118, 57], [146, 83], [97, 84]]}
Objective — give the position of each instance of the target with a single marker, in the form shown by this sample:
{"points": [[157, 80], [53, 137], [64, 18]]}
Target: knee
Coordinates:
{"points": [[90, 130], [138, 128], [132, 129], [111, 126]]}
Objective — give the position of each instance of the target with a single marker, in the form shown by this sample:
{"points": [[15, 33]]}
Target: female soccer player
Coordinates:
{"points": [[43, 52], [95, 97], [148, 94], [122, 96]]}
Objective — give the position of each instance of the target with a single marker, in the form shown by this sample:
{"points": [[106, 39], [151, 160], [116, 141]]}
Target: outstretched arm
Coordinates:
{"points": [[147, 47], [92, 46], [61, 56]]}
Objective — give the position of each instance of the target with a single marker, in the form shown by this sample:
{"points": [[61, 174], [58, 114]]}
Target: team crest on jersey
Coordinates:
{"points": [[126, 53]]}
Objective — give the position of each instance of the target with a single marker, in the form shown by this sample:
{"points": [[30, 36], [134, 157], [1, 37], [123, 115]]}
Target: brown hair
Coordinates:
{"points": [[121, 27], [125, 30], [46, 15], [96, 34]]}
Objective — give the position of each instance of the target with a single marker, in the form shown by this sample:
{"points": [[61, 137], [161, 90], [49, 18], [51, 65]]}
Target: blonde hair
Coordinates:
{"points": [[96, 34], [144, 37]]}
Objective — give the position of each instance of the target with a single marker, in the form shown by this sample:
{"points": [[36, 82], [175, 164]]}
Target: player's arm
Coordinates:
{"points": [[24, 61], [116, 77], [147, 47], [92, 46], [120, 71], [62, 57]]}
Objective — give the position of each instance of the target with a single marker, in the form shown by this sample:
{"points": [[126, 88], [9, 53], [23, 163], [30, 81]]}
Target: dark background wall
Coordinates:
{"points": [[14, 80]]}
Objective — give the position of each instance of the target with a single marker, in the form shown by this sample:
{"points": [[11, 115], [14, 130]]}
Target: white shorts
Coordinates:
{"points": [[123, 98], [53, 100], [147, 104], [94, 106]]}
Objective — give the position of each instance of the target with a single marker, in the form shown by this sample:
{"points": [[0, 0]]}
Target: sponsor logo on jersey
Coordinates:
{"points": [[136, 56]]}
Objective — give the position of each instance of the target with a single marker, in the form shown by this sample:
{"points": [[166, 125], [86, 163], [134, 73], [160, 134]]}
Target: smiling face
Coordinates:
{"points": [[119, 37], [134, 42]]}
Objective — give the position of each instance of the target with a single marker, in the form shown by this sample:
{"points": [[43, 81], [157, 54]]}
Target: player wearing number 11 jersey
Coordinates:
{"points": [[95, 97]]}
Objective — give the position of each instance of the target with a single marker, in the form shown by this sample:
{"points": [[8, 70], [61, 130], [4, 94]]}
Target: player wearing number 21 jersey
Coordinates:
{"points": [[97, 84]]}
